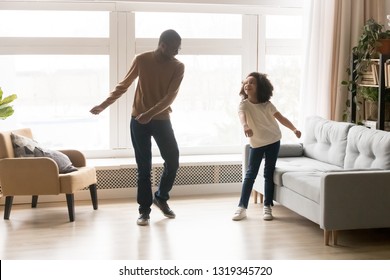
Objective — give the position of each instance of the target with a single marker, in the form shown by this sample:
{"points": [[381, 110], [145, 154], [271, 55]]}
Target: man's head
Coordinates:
{"points": [[169, 43]]}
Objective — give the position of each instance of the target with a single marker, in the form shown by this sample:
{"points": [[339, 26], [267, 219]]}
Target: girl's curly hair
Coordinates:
{"points": [[264, 87]]}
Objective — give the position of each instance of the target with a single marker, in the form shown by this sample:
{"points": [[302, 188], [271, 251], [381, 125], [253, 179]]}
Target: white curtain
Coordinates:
{"points": [[316, 86]]}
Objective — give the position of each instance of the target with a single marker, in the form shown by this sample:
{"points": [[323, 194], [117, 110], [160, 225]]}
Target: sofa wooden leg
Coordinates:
{"points": [[327, 234], [34, 201], [334, 235], [254, 194], [261, 198], [70, 202], [92, 190], [7, 207]]}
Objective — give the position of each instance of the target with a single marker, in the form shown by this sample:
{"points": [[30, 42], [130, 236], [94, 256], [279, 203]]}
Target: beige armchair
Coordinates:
{"points": [[40, 175]]}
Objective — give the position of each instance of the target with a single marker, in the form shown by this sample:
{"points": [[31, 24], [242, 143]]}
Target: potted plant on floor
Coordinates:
{"points": [[6, 109]]}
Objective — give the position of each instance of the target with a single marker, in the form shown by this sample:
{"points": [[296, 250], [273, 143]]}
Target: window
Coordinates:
{"points": [[55, 94], [60, 68], [189, 25], [53, 24], [283, 64], [205, 111]]}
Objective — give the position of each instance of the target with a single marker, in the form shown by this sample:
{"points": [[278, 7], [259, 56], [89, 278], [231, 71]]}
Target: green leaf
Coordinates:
{"points": [[6, 112], [8, 99]]}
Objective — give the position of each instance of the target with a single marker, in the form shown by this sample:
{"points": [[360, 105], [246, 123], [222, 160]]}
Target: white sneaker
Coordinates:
{"points": [[267, 213], [239, 214]]}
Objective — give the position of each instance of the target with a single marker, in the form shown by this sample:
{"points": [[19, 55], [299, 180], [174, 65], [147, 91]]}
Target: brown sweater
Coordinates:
{"points": [[158, 84]]}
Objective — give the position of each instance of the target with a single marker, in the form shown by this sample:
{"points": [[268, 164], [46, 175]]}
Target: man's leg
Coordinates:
{"points": [[141, 139], [166, 142]]}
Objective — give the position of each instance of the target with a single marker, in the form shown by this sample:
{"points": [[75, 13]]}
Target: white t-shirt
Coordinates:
{"points": [[260, 118]]}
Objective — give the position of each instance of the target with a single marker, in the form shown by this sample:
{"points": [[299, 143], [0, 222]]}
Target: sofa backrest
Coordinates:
{"points": [[367, 148], [326, 140]]}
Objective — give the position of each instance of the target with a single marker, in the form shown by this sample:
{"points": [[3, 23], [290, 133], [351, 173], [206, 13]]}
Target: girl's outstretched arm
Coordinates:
{"points": [[286, 122]]}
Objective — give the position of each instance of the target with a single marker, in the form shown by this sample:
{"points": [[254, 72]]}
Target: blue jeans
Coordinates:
{"points": [[141, 137], [270, 153]]}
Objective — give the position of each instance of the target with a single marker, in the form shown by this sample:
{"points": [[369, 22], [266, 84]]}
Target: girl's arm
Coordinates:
{"points": [[286, 122], [248, 132]]}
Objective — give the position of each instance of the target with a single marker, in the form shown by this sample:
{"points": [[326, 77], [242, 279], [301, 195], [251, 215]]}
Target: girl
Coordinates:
{"points": [[257, 116]]}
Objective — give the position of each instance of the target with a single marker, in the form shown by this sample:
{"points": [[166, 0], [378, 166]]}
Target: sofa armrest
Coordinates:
{"points": [[76, 157], [355, 200], [286, 150], [291, 150], [29, 176]]}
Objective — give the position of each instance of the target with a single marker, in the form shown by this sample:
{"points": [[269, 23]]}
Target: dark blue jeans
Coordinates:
{"points": [[270, 154], [141, 137]]}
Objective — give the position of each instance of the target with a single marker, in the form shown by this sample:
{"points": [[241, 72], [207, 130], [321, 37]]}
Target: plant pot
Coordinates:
{"points": [[383, 46], [370, 110]]}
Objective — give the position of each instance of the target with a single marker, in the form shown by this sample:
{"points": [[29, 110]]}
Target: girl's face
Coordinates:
{"points": [[250, 88]]}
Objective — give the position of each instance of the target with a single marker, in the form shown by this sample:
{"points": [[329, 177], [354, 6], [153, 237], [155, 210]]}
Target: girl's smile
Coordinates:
{"points": [[250, 88]]}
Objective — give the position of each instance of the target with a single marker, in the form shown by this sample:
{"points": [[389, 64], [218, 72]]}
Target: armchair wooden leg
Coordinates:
{"points": [[8, 206], [70, 202], [34, 201], [261, 198], [92, 190]]}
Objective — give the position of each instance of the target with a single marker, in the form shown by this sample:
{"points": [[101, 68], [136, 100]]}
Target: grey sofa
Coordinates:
{"points": [[339, 177]]}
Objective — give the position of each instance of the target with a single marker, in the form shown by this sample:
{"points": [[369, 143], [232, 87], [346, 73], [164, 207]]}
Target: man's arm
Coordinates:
{"points": [[119, 90]]}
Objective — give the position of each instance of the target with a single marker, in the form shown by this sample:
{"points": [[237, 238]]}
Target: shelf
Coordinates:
{"points": [[376, 76]]}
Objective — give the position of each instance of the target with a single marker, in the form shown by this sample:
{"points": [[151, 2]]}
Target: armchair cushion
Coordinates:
{"points": [[26, 147]]}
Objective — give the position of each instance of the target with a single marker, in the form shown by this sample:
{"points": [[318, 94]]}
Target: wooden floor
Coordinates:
{"points": [[203, 230]]}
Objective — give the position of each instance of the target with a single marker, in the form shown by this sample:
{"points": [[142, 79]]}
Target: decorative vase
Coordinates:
{"points": [[383, 46]]}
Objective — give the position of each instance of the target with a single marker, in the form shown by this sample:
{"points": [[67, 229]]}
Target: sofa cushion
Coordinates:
{"points": [[27, 147], [326, 140], [299, 164], [307, 184], [367, 149]]}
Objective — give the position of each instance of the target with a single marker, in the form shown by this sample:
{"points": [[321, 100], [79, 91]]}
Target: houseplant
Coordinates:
{"points": [[6, 109], [373, 41]]}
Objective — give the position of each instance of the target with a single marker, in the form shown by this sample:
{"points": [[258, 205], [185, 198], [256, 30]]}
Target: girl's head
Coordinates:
{"points": [[257, 86]]}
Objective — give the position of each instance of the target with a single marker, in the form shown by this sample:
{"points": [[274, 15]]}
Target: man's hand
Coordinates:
{"points": [[143, 118], [97, 110]]}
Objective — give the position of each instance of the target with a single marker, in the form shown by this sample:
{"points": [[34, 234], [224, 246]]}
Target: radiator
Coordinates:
{"points": [[206, 174]]}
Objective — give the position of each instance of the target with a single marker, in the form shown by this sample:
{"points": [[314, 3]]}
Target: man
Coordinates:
{"points": [[159, 77]]}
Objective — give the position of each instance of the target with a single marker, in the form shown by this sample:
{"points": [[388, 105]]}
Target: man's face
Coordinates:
{"points": [[171, 49]]}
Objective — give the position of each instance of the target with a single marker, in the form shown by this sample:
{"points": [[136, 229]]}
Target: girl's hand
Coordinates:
{"points": [[248, 132]]}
